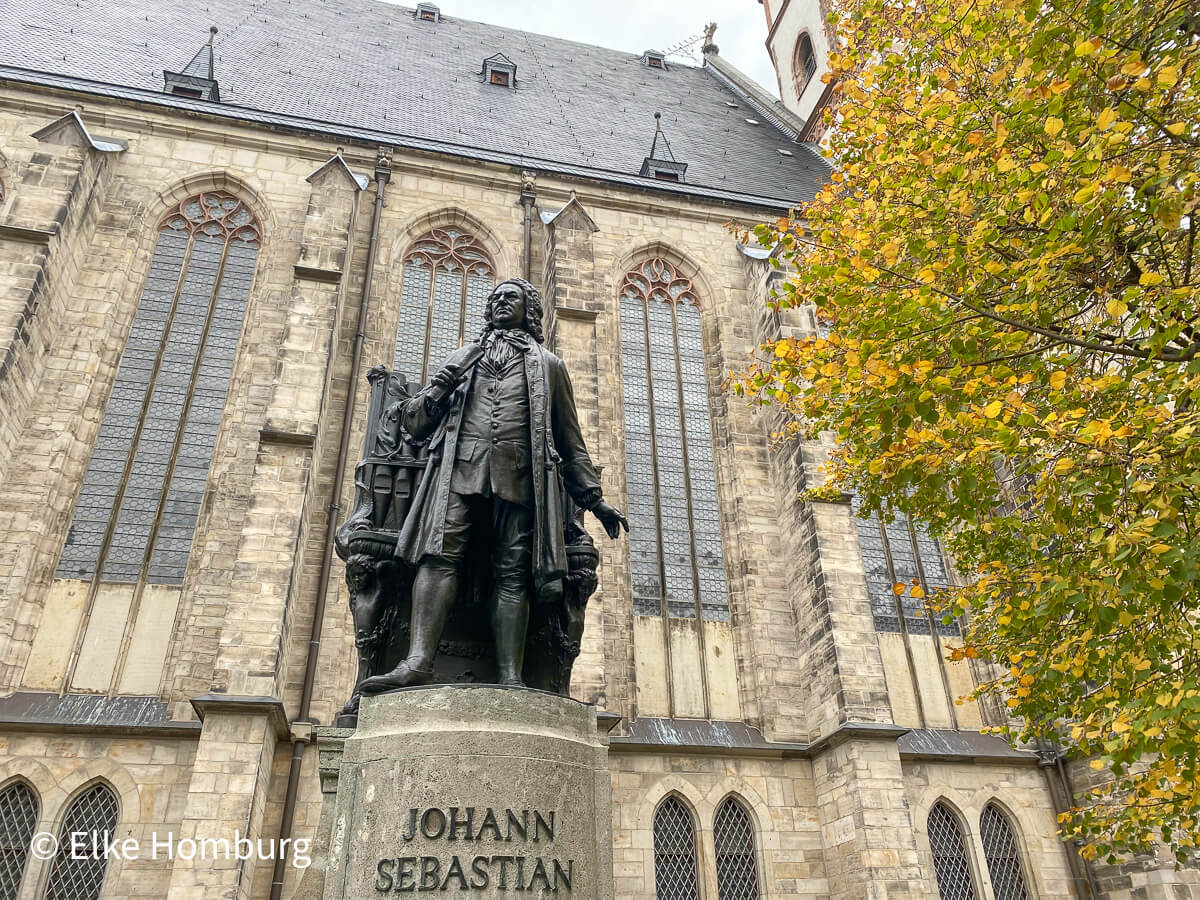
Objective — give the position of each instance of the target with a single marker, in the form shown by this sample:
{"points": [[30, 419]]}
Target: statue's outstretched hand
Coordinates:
{"points": [[611, 518]]}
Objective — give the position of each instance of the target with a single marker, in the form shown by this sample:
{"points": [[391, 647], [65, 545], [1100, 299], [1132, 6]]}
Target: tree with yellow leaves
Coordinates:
{"points": [[1005, 261]]}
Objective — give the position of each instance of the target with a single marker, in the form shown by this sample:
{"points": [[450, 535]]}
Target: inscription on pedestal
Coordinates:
{"points": [[475, 790], [468, 869]]}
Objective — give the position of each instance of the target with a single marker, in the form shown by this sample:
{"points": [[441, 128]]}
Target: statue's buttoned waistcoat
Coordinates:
{"points": [[493, 453]]}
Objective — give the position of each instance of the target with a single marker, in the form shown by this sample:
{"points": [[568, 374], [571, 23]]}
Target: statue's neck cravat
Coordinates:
{"points": [[505, 343]]}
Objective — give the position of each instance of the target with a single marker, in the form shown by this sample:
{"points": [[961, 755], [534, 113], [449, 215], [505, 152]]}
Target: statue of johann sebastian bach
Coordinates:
{"points": [[503, 443]]}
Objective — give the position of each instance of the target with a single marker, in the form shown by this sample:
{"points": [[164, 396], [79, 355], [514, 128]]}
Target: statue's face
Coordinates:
{"points": [[508, 306]]}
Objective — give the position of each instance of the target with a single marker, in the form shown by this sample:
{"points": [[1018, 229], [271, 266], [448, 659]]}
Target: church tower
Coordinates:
{"points": [[799, 39]]}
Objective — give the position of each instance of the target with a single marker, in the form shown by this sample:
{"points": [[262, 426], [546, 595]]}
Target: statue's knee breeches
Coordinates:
{"points": [[512, 547]]}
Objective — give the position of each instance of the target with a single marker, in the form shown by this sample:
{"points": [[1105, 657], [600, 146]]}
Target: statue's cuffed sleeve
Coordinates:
{"points": [[578, 473], [422, 414]]}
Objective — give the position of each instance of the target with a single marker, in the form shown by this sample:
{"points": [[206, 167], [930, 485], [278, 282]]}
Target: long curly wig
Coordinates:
{"points": [[533, 309]]}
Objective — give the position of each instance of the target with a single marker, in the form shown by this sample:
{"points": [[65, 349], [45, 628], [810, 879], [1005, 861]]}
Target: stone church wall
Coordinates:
{"points": [[798, 661]]}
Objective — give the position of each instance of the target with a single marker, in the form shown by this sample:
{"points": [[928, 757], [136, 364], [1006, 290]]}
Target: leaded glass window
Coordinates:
{"points": [[141, 496], [733, 837], [953, 871], [18, 818], [1003, 857], [675, 852], [678, 563], [902, 552], [90, 823], [448, 276]]}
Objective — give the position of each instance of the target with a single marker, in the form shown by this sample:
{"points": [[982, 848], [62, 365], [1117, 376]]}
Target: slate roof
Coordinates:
{"points": [[371, 69]]}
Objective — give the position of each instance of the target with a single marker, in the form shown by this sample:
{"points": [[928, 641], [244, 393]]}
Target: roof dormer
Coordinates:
{"points": [[427, 12], [498, 69], [197, 79], [661, 162], [654, 59]]}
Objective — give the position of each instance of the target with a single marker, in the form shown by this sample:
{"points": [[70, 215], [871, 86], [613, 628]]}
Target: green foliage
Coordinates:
{"points": [[1004, 257]]}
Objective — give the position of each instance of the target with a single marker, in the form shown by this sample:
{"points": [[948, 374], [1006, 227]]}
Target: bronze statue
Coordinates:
{"points": [[465, 547]]}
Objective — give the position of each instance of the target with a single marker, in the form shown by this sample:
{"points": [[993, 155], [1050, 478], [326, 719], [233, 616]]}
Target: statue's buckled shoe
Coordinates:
{"points": [[403, 675]]}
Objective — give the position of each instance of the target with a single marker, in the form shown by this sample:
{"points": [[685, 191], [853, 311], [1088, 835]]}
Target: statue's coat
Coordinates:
{"points": [[558, 460]]}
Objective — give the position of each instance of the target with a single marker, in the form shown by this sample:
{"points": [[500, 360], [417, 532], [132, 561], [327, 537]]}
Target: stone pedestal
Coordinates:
{"points": [[473, 788]]}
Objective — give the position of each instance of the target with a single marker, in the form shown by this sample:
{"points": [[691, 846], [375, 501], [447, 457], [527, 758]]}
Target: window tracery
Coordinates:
{"points": [[448, 275], [678, 562], [137, 510]]}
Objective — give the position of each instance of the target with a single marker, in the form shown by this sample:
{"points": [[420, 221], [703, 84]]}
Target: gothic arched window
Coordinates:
{"points": [[80, 876], [678, 564], [675, 867], [18, 818], [447, 278], [141, 495], [901, 552], [1003, 857], [804, 64], [950, 864], [737, 868]]}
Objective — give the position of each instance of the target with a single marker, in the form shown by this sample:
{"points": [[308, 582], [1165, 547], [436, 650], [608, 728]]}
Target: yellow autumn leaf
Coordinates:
{"points": [[1058, 380], [1119, 173], [1176, 128], [1148, 279], [1084, 48], [1168, 76], [1097, 764], [1116, 308], [1105, 119], [1053, 126], [918, 591], [993, 409], [1064, 465], [898, 589], [1005, 163], [1084, 194]]}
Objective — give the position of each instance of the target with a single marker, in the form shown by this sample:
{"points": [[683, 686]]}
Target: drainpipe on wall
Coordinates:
{"points": [[1061, 795], [528, 197], [383, 174]]}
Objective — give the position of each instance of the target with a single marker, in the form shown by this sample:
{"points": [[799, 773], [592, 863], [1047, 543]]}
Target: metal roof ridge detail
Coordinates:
{"points": [[49, 132], [741, 84], [339, 161]]}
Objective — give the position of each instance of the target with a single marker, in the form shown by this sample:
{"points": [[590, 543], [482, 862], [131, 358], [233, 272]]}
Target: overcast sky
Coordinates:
{"points": [[636, 25]]}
